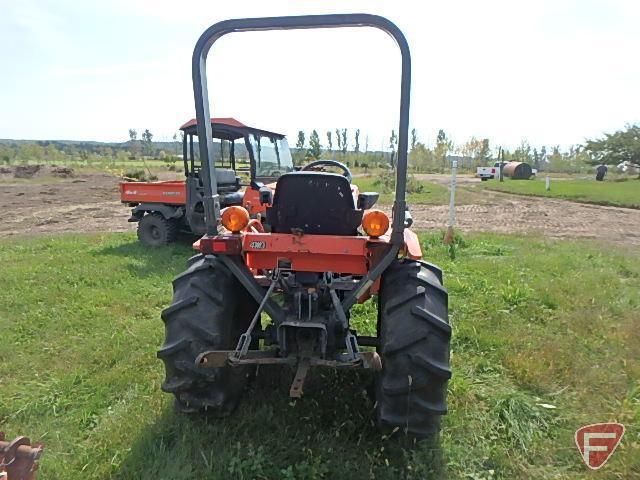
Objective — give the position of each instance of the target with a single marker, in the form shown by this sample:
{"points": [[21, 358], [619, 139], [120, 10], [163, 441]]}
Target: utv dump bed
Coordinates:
{"points": [[173, 192]]}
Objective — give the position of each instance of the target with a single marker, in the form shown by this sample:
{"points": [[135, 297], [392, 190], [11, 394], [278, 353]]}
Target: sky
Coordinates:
{"points": [[552, 72]]}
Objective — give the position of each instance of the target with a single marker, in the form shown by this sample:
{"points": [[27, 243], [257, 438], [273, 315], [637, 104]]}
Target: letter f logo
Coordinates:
{"points": [[597, 442]]}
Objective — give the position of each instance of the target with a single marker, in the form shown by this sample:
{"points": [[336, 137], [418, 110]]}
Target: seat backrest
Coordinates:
{"points": [[315, 203], [225, 176]]}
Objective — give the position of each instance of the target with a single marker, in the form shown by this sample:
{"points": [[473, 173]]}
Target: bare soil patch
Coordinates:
{"points": [[505, 213], [46, 204]]}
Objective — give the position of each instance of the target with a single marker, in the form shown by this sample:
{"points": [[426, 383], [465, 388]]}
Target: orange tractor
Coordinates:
{"points": [[320, 249], [245, 159]]}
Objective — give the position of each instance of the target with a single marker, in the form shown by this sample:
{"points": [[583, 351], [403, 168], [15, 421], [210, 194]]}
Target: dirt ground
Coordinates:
{"points": [[47, 204], [504, 213], [90, 203]]}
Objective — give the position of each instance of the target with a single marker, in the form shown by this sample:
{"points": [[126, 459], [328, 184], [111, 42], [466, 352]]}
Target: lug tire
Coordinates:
{"points": [[156, 231], [414, 335], [210, 310]]}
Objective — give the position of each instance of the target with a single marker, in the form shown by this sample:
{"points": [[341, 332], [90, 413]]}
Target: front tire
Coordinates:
{"points": [[414, 335], [210, 310]]}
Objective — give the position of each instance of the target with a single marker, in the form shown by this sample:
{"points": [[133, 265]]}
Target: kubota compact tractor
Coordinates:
{"points": [[245, 159], [320, 249]]}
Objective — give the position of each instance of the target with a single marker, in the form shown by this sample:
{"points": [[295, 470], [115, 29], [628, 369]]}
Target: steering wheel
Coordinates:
{"points": [[330, 163]]}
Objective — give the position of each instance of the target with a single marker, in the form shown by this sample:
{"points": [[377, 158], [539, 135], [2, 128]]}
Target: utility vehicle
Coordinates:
{"points": [[320, 249], [245, 159]]}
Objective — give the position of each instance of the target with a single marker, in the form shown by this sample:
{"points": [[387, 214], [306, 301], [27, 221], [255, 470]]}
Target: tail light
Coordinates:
{"points": [[375, 223], [235, 218]]}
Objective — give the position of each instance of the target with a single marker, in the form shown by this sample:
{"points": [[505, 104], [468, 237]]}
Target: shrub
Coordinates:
{"points": [[139, 175], [387, 184]]}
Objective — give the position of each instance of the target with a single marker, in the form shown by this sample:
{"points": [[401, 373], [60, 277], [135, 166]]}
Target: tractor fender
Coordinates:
{"points": [[411, 246], [167, 211]]}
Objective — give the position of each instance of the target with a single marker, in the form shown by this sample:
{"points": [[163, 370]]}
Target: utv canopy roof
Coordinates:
{"points": [[227, 129]]}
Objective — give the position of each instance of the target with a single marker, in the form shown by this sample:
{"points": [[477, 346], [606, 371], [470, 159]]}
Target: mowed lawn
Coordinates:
{"points": [[618, 194], [545, 340], [431, 194]]}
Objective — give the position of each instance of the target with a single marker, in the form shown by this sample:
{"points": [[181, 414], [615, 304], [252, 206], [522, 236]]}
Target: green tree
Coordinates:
{"points": [[443, 147], [178, 138], [301, 140], [339, 139], [330, 140], [315, 148], [344, 141], [147, 138], [6, 154], [523, 153], [484, 155], [30, 152], [356, 147], [393, 146], [421, 158], [472, 149], [615, 148], [414, 138], [133, 142]]}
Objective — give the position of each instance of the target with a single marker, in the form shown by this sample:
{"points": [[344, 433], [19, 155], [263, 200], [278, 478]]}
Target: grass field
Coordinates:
{"points": [[432, 193], [618, 194], [545, 340]]}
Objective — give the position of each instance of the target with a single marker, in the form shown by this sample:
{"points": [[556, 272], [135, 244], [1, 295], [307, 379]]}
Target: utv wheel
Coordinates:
{"points": [[414, 335], [155, 230], [210, 311]]}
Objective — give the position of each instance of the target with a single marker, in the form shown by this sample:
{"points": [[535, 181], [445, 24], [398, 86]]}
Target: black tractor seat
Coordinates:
{"points": [[231, 198], [316, 203]]}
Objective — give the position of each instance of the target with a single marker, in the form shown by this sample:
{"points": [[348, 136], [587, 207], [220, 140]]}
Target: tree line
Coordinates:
{"points": [[352, 147], [612, 149]]}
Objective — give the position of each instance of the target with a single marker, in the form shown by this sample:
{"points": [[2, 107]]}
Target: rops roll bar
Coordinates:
{"points": [[211, 200]]}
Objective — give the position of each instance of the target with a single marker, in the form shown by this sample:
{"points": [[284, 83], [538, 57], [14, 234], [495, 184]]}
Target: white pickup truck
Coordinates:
{"points": [[485, 173]]}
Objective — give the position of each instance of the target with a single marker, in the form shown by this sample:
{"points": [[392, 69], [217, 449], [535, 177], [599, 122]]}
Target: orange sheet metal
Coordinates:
{"points": [[412, 245], [251, 200], [174, 193], [307, 253]]}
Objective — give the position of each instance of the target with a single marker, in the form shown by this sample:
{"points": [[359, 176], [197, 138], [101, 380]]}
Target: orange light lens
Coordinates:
{"points": [[235, 218], [375, 223]]}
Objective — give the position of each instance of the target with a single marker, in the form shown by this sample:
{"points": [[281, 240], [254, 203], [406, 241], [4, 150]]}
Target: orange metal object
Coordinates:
{"points": [[174, 192], [251, 200], [18, 458], [412, 245], [307, 253], [255, 225]]}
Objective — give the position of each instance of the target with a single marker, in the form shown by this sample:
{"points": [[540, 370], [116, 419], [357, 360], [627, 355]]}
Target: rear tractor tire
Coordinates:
{"points": [[210, 310], [414, 335], [156, 231]]}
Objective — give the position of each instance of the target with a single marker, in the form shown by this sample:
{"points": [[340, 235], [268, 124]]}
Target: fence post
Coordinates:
{"points": [[448, 237], [547, 183]]}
